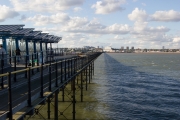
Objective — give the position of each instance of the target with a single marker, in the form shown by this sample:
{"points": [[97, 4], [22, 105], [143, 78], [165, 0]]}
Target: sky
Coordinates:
{"points": [[116, 23]]}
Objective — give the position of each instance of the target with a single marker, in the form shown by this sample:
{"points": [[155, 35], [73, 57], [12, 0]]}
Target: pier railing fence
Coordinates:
{"points": [[21, 86]]}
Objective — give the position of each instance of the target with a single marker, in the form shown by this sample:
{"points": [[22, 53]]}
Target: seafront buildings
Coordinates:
{"points": [[137, 50]]}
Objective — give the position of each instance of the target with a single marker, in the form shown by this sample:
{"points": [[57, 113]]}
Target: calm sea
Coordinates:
{"points": [[138, 86]]}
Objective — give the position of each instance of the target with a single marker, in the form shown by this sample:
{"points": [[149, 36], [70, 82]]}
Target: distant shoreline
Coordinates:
{"points": [[145, 52]]}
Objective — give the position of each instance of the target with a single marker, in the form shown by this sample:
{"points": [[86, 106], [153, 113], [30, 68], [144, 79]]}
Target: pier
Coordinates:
{"points": [[25, 89], [41, 75]]}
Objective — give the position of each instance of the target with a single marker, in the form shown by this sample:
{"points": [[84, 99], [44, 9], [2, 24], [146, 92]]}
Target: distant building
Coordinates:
{"points": [[127, 48], [122, 48], [108, 49]]}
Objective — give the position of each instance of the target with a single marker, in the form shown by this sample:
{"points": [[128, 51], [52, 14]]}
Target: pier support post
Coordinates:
{"points": [[61, 72], [68, 62], [10, 96], [81, 87], [89, 73], [65, 70], [93, 67], [63, 93], [41, 73], [56, 105], [29, 88], [86, 77], [91, 70], [56, 66], [74, 100], [50, 76], [48, 107]]}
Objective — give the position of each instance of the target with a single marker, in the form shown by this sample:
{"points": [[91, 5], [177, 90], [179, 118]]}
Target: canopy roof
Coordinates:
{"points": [[27, 34]]}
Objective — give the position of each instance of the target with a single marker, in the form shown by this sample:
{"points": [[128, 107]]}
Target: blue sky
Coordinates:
{"points": [[115, 23]]}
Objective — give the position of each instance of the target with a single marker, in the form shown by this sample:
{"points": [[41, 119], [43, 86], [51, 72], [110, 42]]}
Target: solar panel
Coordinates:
{"points": [[27, 33], [32, 34], [40, 36], [22, 31], [10, 27]]}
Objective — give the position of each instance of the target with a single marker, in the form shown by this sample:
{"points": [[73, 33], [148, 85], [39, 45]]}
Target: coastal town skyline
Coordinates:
{"points": [[116, 23]]}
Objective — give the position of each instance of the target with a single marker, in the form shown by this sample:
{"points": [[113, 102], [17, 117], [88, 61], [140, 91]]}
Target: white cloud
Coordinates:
{"points": [[108, 6], [77, 22], [44, 5], [77, 9], [40, 20], [117, 29], [138, 15], [117, 37], [6, 13], [144, 34], [79, 25], [176, 40], [166, 16]]}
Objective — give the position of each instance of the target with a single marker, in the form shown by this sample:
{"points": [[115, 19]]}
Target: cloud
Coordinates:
{"points": [[108, 6], [176, 40], [117, 29], [138, 15], [77, 22], [45, 5], [82, 25], [143, 33], [77, 9], [166, 16], [40, 20], [117, 37], [7, 13]]}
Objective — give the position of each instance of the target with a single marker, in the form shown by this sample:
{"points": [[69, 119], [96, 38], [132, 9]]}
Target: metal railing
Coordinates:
{"points": [[51, 73]]}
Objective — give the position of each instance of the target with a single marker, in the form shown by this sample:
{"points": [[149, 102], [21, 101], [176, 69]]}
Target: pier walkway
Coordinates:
{"points": [[25, 87]]}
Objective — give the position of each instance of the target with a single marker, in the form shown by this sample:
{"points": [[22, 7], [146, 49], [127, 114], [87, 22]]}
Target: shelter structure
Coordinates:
{"points": [[28, 40]]}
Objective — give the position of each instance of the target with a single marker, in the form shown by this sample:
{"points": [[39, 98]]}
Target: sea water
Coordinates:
{"points": [[132, 86]]}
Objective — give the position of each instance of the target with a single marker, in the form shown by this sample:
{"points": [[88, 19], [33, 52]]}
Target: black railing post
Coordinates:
{"points": [[42, 60], [26, 65], [61, 71], [65, 69], [74, 100], [29, 86], [48, 109], [15, 68], [56, 67], [71, 66], [81, 86], [56, 105], [10, 96], [37, 61], [32, 63], [41, 72], [50, 76], [93, 67], [2, 71], [10, 61], [86, 77], [89, 73]]}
